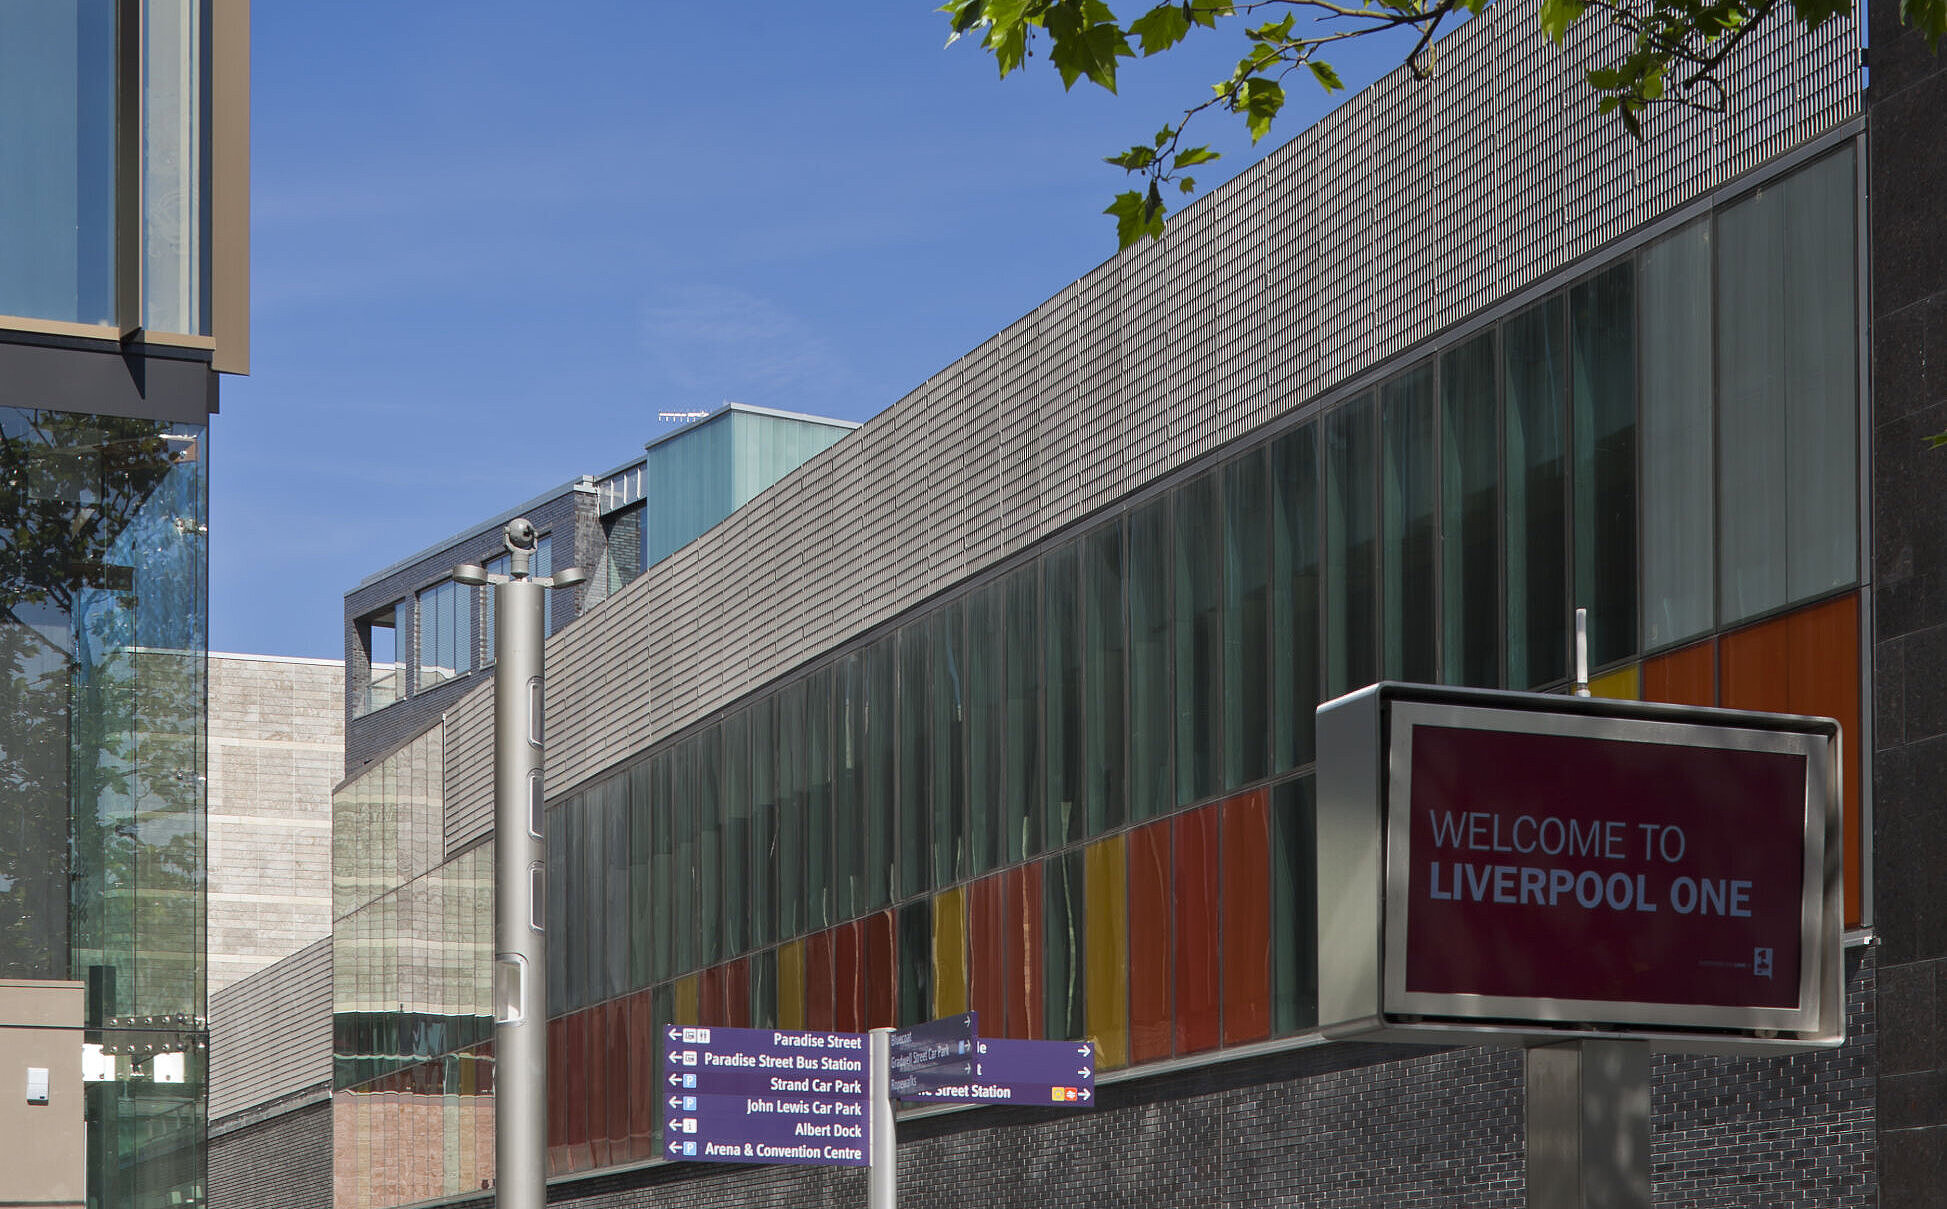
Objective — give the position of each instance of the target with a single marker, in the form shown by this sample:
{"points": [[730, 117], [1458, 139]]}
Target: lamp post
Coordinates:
{"points": [[520, 864]]}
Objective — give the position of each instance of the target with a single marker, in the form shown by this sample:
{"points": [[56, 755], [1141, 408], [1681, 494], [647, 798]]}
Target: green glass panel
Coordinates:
{"points": [[947, 744], [1198, 627], [1024, 810], [914, 759], [1294, 946], [1294, 595], [1351, 549], [1064, 769], [1470, 481], [1410, 442], [1247, 620], [1103, 678], [986, 728], [818, 838], [1152, 703], [1535, 503]]}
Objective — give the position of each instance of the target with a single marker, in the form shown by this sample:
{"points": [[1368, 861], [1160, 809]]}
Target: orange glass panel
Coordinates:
{"points": [[1149, 942], [949, 953], [986, 937], [1105, 984], [790, 985], [848, 978], [1686, 676], [1199, 988], [818, 980], [1247, 918], [1022, 961], [881, 971]]}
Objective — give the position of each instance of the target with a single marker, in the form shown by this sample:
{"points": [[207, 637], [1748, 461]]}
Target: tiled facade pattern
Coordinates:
{"points": [[1352, 242], [1908, 184], [276, 747], [270, 1034]]}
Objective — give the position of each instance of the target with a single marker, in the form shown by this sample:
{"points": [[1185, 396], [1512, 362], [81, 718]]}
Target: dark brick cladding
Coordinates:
{"points": [[1345, 1127], [281, 1163], [1907, 191], [569, 517]]}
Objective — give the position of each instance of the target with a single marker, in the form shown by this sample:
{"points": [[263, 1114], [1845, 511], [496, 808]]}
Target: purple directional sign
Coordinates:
{"points": [[765, 1096], [1021, 1072], [939, 1051]]}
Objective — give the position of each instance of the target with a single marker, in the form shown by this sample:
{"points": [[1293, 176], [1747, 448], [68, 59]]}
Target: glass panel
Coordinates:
{"points": [[1470, 479], [1294, 906], [1247, 604], [789, 855], [1023, 806], [1062, 937], [1294, 586], [644, 922], [1149, 942], [1602, 319], [879, 719], [1536, 501], [1106, 949], [947, 747], [763, 821], [175, 201], [735, 838], [1351, 554], [1787, 381], [1152, 705], [1412, 461], [1196, 937], [1247, 938], [1679, 598], [915, 771], [848, 769], [683, 804], [1102, 676], [57, 160], [818, 800], [709, 844], [916, 962], [986, 727], [1065, 769], [1199, 636]]}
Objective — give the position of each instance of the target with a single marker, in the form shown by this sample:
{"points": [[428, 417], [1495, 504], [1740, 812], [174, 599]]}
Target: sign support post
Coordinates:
{"points": [[1588, 1127], [520, 861], [882, 1177]]}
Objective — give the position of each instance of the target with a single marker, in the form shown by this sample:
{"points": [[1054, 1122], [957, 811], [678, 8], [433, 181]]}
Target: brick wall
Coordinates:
{"points": [[1907, 187], [281, 1162]]}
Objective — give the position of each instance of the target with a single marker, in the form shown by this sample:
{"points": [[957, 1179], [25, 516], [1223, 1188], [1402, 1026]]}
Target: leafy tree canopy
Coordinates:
{"points": [[1677, 49]]}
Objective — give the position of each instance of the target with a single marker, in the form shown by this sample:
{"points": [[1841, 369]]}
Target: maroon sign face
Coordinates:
{"points": [[1560, 867]]}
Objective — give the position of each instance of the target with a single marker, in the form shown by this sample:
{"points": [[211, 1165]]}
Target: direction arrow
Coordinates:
{"points": [[999, 1060], [766, 1096], [744, 1129], [1046, 1095]]}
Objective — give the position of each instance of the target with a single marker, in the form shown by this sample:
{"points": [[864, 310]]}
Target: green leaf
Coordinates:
{"points": [[1130, 220], [1927, 16], [1937, 440], [1133, 160], [1326, 77], [1259, 101], [1086, 41], [1187, 184], [1558, 15], [1191, 156], [1161, 28]]}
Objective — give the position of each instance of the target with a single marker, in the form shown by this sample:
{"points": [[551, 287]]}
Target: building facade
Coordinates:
{"points": [[1004, 702], [124, 244]]}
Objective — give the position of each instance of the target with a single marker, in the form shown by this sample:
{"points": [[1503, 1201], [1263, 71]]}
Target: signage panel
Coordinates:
{"points": [[766, 1096], [1049, 1073], [934, 1053], [1541, 863]]}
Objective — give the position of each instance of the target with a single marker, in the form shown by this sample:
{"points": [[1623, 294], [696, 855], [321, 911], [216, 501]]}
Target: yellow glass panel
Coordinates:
{"points": [[950, 953], [1623, 684], [790, 985], [684, 992], [1105, 878]]}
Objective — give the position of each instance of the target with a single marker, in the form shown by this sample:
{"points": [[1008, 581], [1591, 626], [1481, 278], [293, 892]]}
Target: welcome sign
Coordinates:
{"points": [[1532, 864]]}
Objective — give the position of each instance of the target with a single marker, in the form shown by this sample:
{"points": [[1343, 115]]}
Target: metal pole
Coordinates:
{"points": [[882, 1177], [1581, 652], [520, 862], [1588, 1127]]}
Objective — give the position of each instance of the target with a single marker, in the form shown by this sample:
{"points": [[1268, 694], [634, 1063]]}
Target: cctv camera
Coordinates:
{"points": [[520, 536]]}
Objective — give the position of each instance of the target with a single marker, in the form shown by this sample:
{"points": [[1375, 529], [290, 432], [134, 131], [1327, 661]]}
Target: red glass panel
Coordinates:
{"points": [[736, 993], [1022, 958], [594, 1081], [621, 1075], [709, 996], [574, 1092], [642, 1076], [1199, 987], [1247, 918], [1149, 942], [558, 1158], [881, 971], [1687, 676], [848, 978], [986, 952], [818, 980]]}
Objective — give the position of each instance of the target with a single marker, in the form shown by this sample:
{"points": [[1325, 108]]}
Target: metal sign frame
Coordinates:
{"points": [[1364, 859]]}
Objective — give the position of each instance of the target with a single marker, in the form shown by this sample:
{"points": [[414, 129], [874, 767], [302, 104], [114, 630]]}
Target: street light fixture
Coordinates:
{"points": [[520, 869]]}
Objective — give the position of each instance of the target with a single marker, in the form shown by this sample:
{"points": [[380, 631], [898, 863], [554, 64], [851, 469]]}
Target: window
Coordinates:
{"points": [[1536, 502], [379, 635], [445, 633]]}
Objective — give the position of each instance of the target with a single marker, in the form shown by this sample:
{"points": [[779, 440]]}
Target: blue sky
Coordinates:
{"points": [[492, 240]]}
